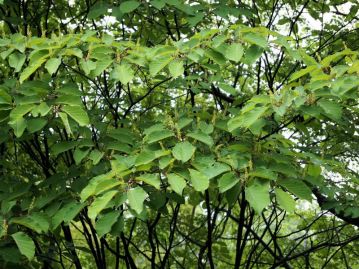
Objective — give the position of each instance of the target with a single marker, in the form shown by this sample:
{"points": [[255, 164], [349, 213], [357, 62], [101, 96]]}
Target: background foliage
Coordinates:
{"points": [[179, 134]]}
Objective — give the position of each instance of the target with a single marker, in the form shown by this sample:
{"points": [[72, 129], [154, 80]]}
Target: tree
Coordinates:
{"points": [[179, 134]]}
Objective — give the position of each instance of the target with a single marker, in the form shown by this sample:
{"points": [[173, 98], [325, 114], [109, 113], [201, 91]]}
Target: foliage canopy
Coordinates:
{"points": [[179, 134]]}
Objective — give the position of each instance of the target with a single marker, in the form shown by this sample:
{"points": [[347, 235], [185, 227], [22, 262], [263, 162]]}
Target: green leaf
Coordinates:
{"points": [[78, 114], [157, 136], [332, 110], [105, 223], [159, 4], [285, 200], [234, 52], [42, 109], [216, 56], [35, 125], [123, 73], [99, 184], [100, 203], [256, 39], [183, 151], [136, 198], [52, 65], [145, 157], [97, 10], [165, 161], [176, 182], [96, 156], [80, 154], [227, 181], [302, 72], [87, 65], [37, 222], [65, 122], [245, 120], [252, 54], [257, 194], [176, 68], [66, 214], [204, 138], [33, 66], [17, 60], [151, 179], [129, 6], [297, 187], [20, 110], [200, 181], [18, 126], [263, 172], [25, 244], [62, 147], [183, 122], [158, 63]]}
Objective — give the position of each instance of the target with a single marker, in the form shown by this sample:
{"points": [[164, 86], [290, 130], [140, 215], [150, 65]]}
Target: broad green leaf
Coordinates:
{"points": [[25, 244], [78, 114], [96, 156], [165, 161], [99, 184], [200, 181], [216, 56], [332, 110], [62, 147], [122, 134], [183, 122], [205, 127], [123, 73], [158, 63], [257, 194], [97, 10], [227, 88], [66, 214], [158, 135], [176, 68], [183, 151], [252, 54], [42, 109], [80, 154], [227, 181], [151, 179], [263, 172], [234, 52], [18, 126], [204, 138], [104, 223], [100, 203], [37, 222], [255, 38], [20, 110], [65, 122], [136, 198], [159, 4], [52, 65], [33, 66], [176, 182], [285, 200], [129, 6], [145, 157], [297, 187], [87, 66], [247, 119], [35, 125], [211, 170], [302, 72], [17, 60]]}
